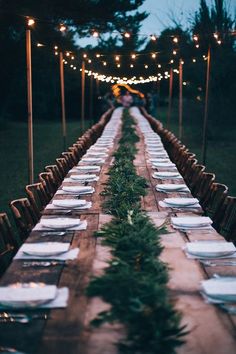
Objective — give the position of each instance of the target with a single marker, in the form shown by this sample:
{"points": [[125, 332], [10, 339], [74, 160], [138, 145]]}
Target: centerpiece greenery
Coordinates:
{"points": [[135, 282]]}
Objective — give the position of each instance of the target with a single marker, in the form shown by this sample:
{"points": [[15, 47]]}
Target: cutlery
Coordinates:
{"points": [[53, 233], [214, 264], [42, 263]]}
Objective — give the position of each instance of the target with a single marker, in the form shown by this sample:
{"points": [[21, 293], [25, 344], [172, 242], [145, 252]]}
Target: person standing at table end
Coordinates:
{"points": [[126, 100]]}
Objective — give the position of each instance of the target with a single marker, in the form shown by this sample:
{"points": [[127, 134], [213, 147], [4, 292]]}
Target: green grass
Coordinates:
{"points": [[48, 145], [221, 149]]}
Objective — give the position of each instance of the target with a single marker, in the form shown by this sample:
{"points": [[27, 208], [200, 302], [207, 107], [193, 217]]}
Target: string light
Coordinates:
{"points": [[89, 61], [159, 66], [95, 34], [215, 35], [174, 52], [56, 53], [172, 61], [133, 56], [175, 40], [118, 65], [98, 55], [153, 37], [131, 65], [56, 47], [62, 28], [72, 57], [67, 54], [146, 66], [197, 45], [154, 55], [195, 38], [127, 35], [117, 58], [219, 42], [30, 22], [104, 63], [194, 60], [40, 45], [85, 56]]}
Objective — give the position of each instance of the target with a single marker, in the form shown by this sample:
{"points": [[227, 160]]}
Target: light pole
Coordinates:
{"points": [[30, 23], [63, 110], [205, 122], [180, 98]]}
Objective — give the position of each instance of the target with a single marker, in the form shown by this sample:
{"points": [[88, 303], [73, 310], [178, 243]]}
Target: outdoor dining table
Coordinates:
{"points": [[67, 330]]}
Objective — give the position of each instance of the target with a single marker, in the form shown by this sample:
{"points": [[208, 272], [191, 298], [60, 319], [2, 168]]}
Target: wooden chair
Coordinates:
{"points": [[194, 176], [24, 216], [217, 195], [227, 226], [63, 166], [37, 197], [190, 164], [203, 187], [49, 183], [8, 243], [57, 176], [70, 157]]}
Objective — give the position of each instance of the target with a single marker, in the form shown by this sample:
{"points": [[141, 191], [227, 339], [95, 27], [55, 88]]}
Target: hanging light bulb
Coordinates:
{"points": [[195, 38], [95, 34], [154, 55], [84, 56], [73, 58], [117, 58], [174, 52], [98, 55], [30, 22], [197, 45], [104, 63], [40, 45], [131, 65], [56, 47], [215, 35], [219, 42], [175, 40], [159, 66], [67, 54], [62, 27], [133, 56], [89, 61], [127, 35], [153, 37], [118, 65], [194, 60], [146, 66]]}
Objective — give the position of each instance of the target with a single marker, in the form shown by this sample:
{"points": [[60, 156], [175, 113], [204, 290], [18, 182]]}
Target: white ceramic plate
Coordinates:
{"points": [[77, 189], [27, 295], [69, 203], [167, 174], [60, 223], [45, 249], [197, 221], [87, 177], [172, 187], [181, 201]]}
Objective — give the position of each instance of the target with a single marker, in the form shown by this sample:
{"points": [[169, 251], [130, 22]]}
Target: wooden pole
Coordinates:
{"points": [[63, 110], [30, 108], [180, 99], [205, 122], [91, 100], [82, 95], [170, 98]]}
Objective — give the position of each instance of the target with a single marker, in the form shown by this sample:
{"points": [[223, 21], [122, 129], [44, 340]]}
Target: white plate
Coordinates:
{"points": [[27, 295], [220, 288], [163, 164], [195, 221], [167, 174], [92, 168], [210, 248], [60, 223], [172, 187], [87, 177], [181, 201], [69, 203], [77, 189], [45, 249]]}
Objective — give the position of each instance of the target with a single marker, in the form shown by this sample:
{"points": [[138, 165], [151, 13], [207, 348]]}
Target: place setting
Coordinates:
{"points": [[172, 188], [181, 204], [68, 205], [187, 223], [31, 296], [75, 190], [60, 224], [167, 175]]}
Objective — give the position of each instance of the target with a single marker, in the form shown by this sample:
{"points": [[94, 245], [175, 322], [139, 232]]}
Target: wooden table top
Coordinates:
{"points": [[67, 330]]}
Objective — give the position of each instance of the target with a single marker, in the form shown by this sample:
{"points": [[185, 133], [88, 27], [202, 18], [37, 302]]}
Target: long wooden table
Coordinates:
{"points": [[68, 331]]}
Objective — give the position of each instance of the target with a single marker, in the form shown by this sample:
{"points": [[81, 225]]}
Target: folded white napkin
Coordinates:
{"points": [[163, 204], [77, 190], [86, 168]]}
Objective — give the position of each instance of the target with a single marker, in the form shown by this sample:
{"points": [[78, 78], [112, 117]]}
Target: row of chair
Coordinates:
{"points": [[213, 196], [28, 210]]}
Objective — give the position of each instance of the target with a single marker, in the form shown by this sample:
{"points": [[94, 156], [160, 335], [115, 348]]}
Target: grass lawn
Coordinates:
{"points": [[48, 145], [221, 150]]}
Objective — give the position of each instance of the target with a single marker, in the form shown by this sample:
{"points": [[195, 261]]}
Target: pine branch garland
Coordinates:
{"points": [[135, 282]]}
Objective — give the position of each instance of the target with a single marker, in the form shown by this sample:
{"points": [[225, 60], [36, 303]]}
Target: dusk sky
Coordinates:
{"points": [[162, 11]]}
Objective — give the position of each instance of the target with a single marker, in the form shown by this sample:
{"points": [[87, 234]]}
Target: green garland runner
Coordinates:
{"points": [[134, 284]]}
